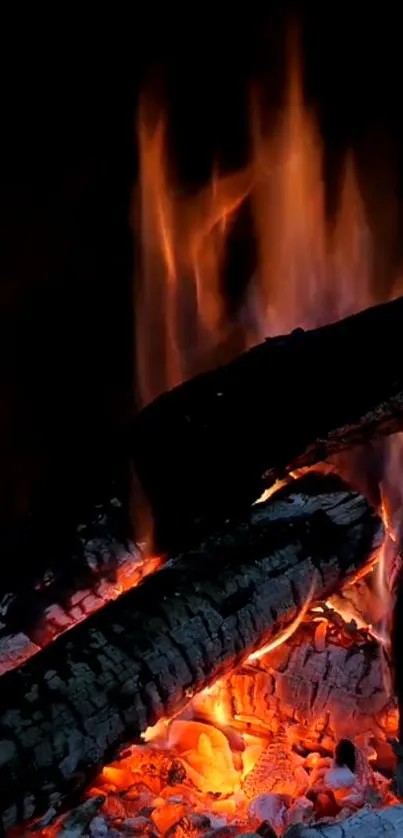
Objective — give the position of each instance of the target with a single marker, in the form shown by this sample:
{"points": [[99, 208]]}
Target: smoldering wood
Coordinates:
{"points": [[70, 707], [331, 686], [208, 448], [52, 537], [51, 569], [30, 631], [368, 823]]}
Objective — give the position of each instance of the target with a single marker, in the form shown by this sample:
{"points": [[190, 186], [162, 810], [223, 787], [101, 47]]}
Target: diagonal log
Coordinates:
{"points": [[206, 449], [69, 708]]}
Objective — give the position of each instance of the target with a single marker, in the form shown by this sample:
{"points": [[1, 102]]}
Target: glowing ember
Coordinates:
{"points": [[261, 745], [129, 572]]}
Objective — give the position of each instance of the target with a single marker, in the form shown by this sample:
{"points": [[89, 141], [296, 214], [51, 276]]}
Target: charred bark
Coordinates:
{"points": [[70, 707], [50, 563], [24, 632], [206, 449], [70, 535]]}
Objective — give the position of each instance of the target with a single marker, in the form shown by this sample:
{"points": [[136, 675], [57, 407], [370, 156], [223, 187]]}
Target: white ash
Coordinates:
{"points": [[99, 827], [301, 811], [340, 777], [368, 823], [269, 807], [14, 650]]}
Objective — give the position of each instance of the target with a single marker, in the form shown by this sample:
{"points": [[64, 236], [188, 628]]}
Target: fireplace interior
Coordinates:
{"points": [[214, 649]]}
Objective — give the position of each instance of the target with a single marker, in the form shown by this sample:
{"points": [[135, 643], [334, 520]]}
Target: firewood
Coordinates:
{"points": [[368, 823], [65, 572], [206, 449], [68, 709], [50, 611]]}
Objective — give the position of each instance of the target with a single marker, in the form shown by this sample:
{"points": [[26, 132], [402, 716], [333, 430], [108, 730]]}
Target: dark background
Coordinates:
{"points": [[69, 90]]}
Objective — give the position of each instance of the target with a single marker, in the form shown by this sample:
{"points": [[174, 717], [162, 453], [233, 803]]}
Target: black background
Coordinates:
{"points": [[69, 90]]}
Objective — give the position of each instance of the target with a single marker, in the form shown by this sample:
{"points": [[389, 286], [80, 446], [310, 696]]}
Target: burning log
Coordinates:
{"points": [[208, 448], [70, 577], [53, 612], [68, 709], [368, 823]]}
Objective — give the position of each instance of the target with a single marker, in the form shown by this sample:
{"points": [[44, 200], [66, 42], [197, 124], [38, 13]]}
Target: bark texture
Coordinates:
{"points": [[368, 823], [34, 628], [69, 708], [63, 556], [206, 449]]}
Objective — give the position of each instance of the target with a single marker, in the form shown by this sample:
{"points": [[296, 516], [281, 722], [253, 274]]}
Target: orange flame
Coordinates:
{"points": [[289, 631], [180, 310], [308, 272]]}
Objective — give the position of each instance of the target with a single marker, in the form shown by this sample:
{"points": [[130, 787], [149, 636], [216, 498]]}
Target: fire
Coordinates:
{"points": [[180, 308], [262, 744], [233, 759], [309, 271], [269, 647]]}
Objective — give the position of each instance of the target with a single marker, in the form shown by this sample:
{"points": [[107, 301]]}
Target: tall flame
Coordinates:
{"points": [[180, 307], [310, 270]]}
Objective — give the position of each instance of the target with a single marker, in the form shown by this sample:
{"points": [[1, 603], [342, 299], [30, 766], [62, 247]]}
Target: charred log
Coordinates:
{"points": [[79, 530], [69, 708], [206, 449], [59, 561], [55, 611]]}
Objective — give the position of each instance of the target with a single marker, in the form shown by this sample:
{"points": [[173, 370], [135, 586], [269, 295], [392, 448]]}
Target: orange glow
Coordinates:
{"points": [[180, 310], [158, 293], [129, 573], [309, 271]]}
